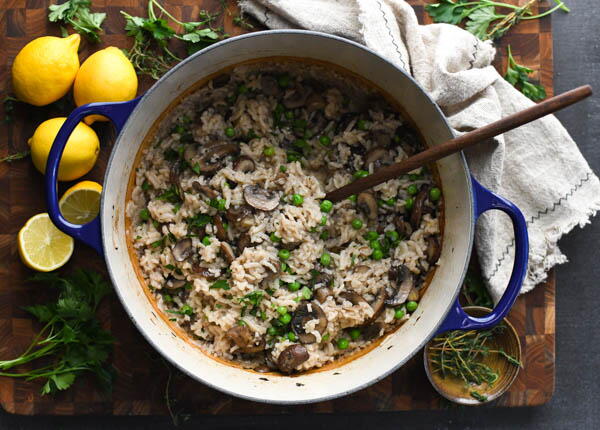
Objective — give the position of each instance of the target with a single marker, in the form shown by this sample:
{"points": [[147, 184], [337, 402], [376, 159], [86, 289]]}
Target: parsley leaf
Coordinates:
{"points": [[480, 20], [71, 337], [221, 284], [518, 76], [77, 14]]}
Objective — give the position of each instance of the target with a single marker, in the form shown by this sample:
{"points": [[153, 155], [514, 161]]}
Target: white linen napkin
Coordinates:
{"points": [[538, 166]]}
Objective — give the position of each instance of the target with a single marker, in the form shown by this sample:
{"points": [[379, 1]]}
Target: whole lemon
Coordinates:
{"points": [[44, 70], [106, 76], [80, 153]]}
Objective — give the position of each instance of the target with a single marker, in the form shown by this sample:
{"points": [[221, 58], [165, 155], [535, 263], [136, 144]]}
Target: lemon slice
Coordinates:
{"points": [[81, 203], [42, 246]]}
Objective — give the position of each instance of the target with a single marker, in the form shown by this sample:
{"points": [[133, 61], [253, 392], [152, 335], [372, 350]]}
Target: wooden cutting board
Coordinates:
{"points": [[142, 374]]}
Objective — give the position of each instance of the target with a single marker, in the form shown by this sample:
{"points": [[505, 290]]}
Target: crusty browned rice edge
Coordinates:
{"points": [[235, 241]]}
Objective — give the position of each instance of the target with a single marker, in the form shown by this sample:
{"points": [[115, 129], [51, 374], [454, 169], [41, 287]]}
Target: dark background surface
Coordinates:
{"points": [[576, 402]]}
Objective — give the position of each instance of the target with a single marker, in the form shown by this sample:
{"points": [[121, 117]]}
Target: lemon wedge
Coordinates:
{"points": [[81, 203], [42, 246]]}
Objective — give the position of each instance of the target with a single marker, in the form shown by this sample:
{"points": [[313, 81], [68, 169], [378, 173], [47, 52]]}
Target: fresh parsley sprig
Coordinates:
{"points": [[150, 53], [518, 76], [71, 340], [483, 18], [77, 14]]}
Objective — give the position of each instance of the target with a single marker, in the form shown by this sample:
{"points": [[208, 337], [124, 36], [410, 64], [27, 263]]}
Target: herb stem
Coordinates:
{"points": [[548, 12]]}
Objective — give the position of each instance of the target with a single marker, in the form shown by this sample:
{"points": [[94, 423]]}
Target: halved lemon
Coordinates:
{"points": [[81, 203], [42, 246]]}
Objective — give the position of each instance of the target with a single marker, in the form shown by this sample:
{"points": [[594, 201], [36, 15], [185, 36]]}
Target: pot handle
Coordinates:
{"points": [[87, 233], [485, 200]]}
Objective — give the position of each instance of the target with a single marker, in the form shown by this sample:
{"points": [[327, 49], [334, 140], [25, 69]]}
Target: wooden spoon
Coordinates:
{"points": [[457, 144]]}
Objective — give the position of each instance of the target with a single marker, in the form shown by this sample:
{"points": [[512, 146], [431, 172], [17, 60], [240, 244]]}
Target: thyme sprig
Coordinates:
{"points": [[459, 354], [14, 157]]}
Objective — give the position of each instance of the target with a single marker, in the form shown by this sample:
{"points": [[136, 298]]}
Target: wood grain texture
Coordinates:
{"points": [[142, 373]]}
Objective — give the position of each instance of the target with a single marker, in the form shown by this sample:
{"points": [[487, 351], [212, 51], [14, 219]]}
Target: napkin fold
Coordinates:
{"points": [[538, 166]]}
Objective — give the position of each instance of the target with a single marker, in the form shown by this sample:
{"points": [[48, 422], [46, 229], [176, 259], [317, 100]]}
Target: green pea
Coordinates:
{"points": [[299, 123], [289, 115], [285, 319], [371, 235], [361, 124], [377, 254], [323, 220], [357, 224], [409, 203], [325, 140], [411, 306], [352, 198], [396, 139], [390, 202], [293, 156], [282, 310], [283, 169], [272, 331], [229, 132], [375, 245], [292, 336], [434, 194], [354, 333], [343, 343], [241, 89], [206, 241], [186, 310], [269, 151], [283, 81], [399, 313], [325, 259], [414, 177], [392, 235], [324, 235], [412, 189], [294, 286], [326, 206], [297, 200], [360, 174], [306, 293], [144, 214], [284, 254]]}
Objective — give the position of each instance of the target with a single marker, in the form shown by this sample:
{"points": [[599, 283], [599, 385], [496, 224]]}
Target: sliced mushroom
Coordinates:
{"points": [[381, 138], [240, 217], [244, 165], [302, 315], [346, 122], [374, 156], [244, 242], [290, 246], [433, 249], [418, 207], [315, 102], [260, 198], [322, 280], [292, 357], [371, 331], [378, 305], [221, 80], [173, 284], [203, 271], [205, 189], [244, 339], [212, 160], [296, 98], [322, 293], [182, 249], [401, 282], [221, 233], [353, 297], [189, 153], [403, 228], [367, 204], [361, 268], [227, 251], [414, 295], [269, 85], [316, 122]]}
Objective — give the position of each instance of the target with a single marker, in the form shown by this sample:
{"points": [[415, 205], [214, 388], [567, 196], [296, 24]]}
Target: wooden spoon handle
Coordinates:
{"points": [[457, 144]]}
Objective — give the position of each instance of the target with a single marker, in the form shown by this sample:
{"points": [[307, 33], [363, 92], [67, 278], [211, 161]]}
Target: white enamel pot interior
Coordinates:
{"points": [[395, 349]]}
